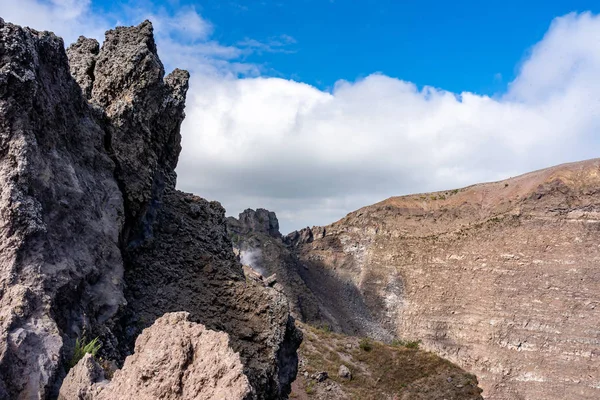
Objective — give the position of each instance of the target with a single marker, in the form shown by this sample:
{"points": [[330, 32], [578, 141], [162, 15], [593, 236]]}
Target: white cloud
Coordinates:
{"points": [[67, 18], [313, 156]]}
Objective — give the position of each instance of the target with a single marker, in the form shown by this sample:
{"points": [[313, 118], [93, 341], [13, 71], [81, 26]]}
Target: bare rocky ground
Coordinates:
{"points": [[95, 241], [502, 278]]}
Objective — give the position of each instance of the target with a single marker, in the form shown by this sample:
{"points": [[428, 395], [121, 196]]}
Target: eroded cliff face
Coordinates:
{"points": [[94, 238], [501, 278]]}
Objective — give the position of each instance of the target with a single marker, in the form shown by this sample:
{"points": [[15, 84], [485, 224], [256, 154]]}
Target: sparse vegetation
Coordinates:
{"points": [[381, 372], [310, 387], [82, 348], [409, 344], [442, 197], [413, 344], [365, 344], [455, 191], [434, 198]]}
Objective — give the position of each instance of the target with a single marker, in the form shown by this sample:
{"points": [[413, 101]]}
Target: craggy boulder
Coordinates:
{"points": [[174, 359]]}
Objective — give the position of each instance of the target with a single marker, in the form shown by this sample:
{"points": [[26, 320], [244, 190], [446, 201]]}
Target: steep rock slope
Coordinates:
{"points": [[90, 218], [502, 278], [188, 264], [258, 243], [323, 300], [380, 371]]}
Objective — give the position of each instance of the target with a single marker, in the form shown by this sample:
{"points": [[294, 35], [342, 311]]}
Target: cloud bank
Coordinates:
{"points": [[312, 156]]}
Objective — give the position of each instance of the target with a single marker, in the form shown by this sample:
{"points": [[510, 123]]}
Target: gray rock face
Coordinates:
{"points": [[82, 59], [261, 221], [174, 359], [188, 264], [145, 110], [61, 214], [88, 207], [126, 79], [269, 255]]}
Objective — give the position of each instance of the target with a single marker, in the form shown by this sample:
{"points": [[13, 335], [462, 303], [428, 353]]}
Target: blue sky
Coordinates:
{"points": [[457, 45], [313, 109]]}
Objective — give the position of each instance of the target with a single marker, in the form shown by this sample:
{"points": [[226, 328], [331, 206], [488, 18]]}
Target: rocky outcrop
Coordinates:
{"points": [[61, 214], [501, 278], [188, 264], [174, 359], [318, 296], [82, 61], [304, 236], [258, 242], [126, 80], [94, 238], [259, 221], [84, 381]]}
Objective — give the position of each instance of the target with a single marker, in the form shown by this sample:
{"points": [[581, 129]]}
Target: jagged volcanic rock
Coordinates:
{"points": [[89, 209], [259, 221], [61, 213], [188, 264]]}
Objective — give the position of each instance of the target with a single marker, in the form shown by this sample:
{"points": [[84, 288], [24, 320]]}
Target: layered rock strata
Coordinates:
{"points": [[502, 278]]}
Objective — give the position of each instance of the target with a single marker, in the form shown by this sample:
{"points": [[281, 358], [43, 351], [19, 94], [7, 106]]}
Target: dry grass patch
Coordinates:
{"points": [[380, 371]]}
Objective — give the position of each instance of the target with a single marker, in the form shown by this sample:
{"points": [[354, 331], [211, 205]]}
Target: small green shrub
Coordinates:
{"points": [[442, 197], [433, 197], [455, 191], [325, 328], [414, 344], [310, 387], [365, 344], [82, 348], [409, 344]]}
